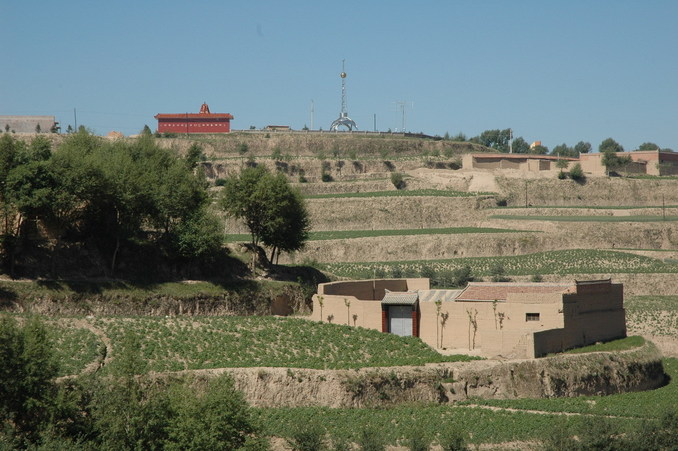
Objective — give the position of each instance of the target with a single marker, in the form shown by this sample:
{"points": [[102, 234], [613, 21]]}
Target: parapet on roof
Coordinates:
{"points": [[491, 291]]}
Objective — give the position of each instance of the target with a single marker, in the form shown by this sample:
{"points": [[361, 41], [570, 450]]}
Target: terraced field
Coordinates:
{"points": [[560, 263]]}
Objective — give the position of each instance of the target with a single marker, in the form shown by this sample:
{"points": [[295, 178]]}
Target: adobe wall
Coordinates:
{"points": [[371, 289], [501, 329], [364, 297], [594, 313], [334, 310]]}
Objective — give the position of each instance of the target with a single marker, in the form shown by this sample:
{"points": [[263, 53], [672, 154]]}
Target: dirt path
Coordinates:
{"points": [[482, 182], [538, 412], [98, 363]]}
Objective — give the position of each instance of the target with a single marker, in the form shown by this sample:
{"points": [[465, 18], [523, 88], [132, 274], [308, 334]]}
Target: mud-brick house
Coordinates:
{"points": [[516, 320]]}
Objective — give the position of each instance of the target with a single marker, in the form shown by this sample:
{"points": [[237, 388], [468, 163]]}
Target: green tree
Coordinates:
{"points": [[216, 418], [274, 213], [289, 230], [563, 150], [27, 372], [495, 139], [520, 145], [539, 150], [146, 130], [459, 137], [13, 155], [582, 147], [561, 164], [614, 162], [40, 149], [127, 415], [610, 145], [576, 172], [648, 146], [194, 155]]}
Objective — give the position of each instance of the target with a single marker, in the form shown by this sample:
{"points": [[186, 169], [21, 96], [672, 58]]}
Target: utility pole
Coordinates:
{"points": [[510, 141], [312, 113], [75, 119]]}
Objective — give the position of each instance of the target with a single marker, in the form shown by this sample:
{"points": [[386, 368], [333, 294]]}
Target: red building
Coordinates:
{"points": [[202, 122]]}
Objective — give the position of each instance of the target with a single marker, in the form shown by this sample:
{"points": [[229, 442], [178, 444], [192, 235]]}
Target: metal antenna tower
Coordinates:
{"points": [[343, 119], [401, 105]]}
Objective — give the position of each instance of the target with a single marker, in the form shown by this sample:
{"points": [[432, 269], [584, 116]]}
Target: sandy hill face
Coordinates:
{"points": [[519, 201]]}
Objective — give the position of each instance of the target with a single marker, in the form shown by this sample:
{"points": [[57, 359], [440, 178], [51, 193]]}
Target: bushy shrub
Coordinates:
{"points": [[371, 439], [309, 436], [417, 440], [398, 180], [577, 173], [326, 177], [430, 273], [453, 439], [498, 273], [461, 276]]}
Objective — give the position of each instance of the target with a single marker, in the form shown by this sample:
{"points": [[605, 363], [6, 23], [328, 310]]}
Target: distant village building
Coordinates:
{"points": [[518, 161], [513, 320], [202, 122], [650, 162], [28, 124], [277, 128]]}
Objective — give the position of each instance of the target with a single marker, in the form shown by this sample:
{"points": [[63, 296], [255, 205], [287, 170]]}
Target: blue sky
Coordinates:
{"points": [[555, 71]]}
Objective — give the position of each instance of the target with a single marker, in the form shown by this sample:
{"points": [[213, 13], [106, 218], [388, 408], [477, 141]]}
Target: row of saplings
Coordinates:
{"points": [[116, 409]]}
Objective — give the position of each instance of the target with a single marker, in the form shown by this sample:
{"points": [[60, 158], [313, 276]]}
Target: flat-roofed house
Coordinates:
{"points": [[509, 319]]}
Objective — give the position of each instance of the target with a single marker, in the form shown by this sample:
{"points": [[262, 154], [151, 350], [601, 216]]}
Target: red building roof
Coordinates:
{"points": [[203, 114]]}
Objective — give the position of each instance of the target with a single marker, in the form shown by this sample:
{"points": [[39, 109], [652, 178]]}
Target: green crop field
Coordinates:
{"points": [[349, 234], [172, 344], [401, 193], [74, 347], [572, 261], [512, 420], [656, 315], [595, 218], [623, 344]]}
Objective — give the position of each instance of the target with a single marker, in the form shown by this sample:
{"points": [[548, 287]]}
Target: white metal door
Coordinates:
{"points": [[400, 320]]}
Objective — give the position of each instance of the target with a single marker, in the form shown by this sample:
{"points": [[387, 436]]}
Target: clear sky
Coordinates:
{"points": [[555, 71]]}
